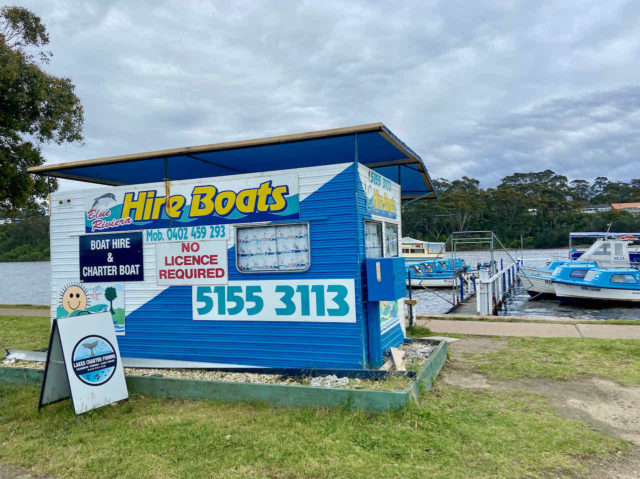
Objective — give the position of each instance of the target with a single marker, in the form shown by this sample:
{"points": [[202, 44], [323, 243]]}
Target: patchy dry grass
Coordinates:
{"points": [[563, 359]]}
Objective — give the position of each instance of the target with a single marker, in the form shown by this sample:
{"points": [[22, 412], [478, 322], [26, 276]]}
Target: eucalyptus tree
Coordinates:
{"points": [[35, 108]]}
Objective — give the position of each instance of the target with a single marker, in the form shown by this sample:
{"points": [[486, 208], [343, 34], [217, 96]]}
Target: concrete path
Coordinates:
{"points": [[43, 313], [539, 330]]}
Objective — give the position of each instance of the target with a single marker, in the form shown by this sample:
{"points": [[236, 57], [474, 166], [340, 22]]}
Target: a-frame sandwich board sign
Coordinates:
{"points": [[83, 362]]}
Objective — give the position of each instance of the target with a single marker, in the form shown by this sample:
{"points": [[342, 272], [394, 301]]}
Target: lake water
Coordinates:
{"points": [[25, 283], [29, 283], [519, 302]]}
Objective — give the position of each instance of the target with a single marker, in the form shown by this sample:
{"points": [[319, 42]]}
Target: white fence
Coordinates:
{"points": [[491, 291]]}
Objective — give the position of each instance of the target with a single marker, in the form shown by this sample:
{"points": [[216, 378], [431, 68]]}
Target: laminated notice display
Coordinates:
{"points": [[83, 362]]}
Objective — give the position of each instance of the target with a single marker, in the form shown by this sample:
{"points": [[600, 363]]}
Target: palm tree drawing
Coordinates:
{"points": [[110, 295]]}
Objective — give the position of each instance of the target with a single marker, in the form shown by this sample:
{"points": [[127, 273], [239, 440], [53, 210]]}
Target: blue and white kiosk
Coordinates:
{"points": [[280, 252]]}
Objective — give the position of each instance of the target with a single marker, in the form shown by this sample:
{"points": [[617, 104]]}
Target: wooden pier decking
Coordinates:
{"points": [[468, 307]]}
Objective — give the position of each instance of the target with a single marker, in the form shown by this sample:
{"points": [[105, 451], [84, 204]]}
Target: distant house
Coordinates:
{"points": [[633, 208], [595, 209], [532, 211]]}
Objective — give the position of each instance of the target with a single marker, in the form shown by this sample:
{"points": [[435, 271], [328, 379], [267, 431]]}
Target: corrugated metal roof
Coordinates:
{"points": [[373, 145]]}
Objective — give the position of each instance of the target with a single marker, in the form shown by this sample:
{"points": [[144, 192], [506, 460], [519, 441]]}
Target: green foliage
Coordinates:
{"points": [[36, 108], [539, 207], [27, 240]]}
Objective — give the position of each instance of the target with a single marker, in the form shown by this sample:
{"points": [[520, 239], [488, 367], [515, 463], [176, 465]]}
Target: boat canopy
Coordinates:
{"points": [[608, 253], [430, 247], [373, 145]]}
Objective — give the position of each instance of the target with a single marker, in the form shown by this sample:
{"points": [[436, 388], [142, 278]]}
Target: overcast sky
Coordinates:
{"points": [[477, 88]]}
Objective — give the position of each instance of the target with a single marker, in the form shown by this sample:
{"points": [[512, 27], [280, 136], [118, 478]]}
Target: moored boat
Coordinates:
{"points": [[416, 251], [601, 284], [538, 281], [604, 253], [441, 273]]}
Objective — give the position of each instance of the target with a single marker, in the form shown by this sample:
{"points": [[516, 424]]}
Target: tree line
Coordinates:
{"points": [[537, 209]]}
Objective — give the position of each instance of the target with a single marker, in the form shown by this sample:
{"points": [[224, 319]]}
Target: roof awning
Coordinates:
{"points": [[601, 235], [372, 145]]}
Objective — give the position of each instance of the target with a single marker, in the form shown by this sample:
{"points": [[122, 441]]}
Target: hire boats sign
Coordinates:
{"points": [[189, 203]]}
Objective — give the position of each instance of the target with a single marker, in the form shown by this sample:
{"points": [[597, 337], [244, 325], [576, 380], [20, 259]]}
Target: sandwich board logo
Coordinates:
{"points": [[94, 360], [83, 363]]}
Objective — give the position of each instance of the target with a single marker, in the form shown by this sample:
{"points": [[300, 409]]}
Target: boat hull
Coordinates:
{"points": [[537, 285], [595, 293], [432, 283]]}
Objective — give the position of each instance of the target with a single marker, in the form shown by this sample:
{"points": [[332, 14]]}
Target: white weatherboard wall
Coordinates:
{"points": [[68, 223], [159, 321], [373, 183]]}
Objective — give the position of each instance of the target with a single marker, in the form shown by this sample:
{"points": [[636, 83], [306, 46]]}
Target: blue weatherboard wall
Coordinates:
{"points": [[163, 327]]}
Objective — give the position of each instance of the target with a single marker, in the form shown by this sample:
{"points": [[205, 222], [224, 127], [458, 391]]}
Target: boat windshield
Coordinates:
{"points": [[578, 273]]}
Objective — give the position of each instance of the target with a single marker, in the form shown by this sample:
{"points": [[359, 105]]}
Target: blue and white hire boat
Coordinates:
{"points": [[599, 284], [539, 281], [605, 253], [440, 273]]}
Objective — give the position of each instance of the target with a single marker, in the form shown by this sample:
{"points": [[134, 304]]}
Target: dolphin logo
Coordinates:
{"points": [[103, 200]]}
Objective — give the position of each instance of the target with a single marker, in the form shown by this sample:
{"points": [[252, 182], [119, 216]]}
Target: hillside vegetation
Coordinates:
{"points": [[27, 240], [541, 207]]}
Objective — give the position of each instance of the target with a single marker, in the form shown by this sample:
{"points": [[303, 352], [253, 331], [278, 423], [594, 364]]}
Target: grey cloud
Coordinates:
{"points": [[581, 137], [477, 88]]}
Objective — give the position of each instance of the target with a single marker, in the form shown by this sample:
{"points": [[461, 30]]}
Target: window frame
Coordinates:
{"points": [[577, 270], [236, 227], [383, 224], [398, 248]]}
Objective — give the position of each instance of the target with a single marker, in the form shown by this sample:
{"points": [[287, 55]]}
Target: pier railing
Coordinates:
{"points": [[492, 290]]}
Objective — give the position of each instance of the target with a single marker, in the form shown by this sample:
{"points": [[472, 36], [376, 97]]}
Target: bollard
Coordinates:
{"points": [[410, 302]]}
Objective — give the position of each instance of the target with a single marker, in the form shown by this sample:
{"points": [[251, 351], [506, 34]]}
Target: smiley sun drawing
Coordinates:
{"points": [[74, 299]]}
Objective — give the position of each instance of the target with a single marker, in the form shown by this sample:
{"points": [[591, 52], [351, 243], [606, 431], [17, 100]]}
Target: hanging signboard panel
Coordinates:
{"points": [[328, 301], [92, 375], [135, 207], [382, 200], [189, 263], [111, 257]]}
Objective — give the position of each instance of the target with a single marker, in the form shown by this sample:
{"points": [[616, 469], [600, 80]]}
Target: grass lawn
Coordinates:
{"points": [[556, 358], [563, 359], [450, 433], [24, 332], [24, 306]]}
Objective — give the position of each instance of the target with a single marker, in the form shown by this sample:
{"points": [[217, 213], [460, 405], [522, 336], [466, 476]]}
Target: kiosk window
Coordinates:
{"points": [[272, 248], [373, 239], [390, 240]]}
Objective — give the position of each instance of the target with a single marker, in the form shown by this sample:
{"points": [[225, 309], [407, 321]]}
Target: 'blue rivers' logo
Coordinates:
{"points": [[94, 360]]}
